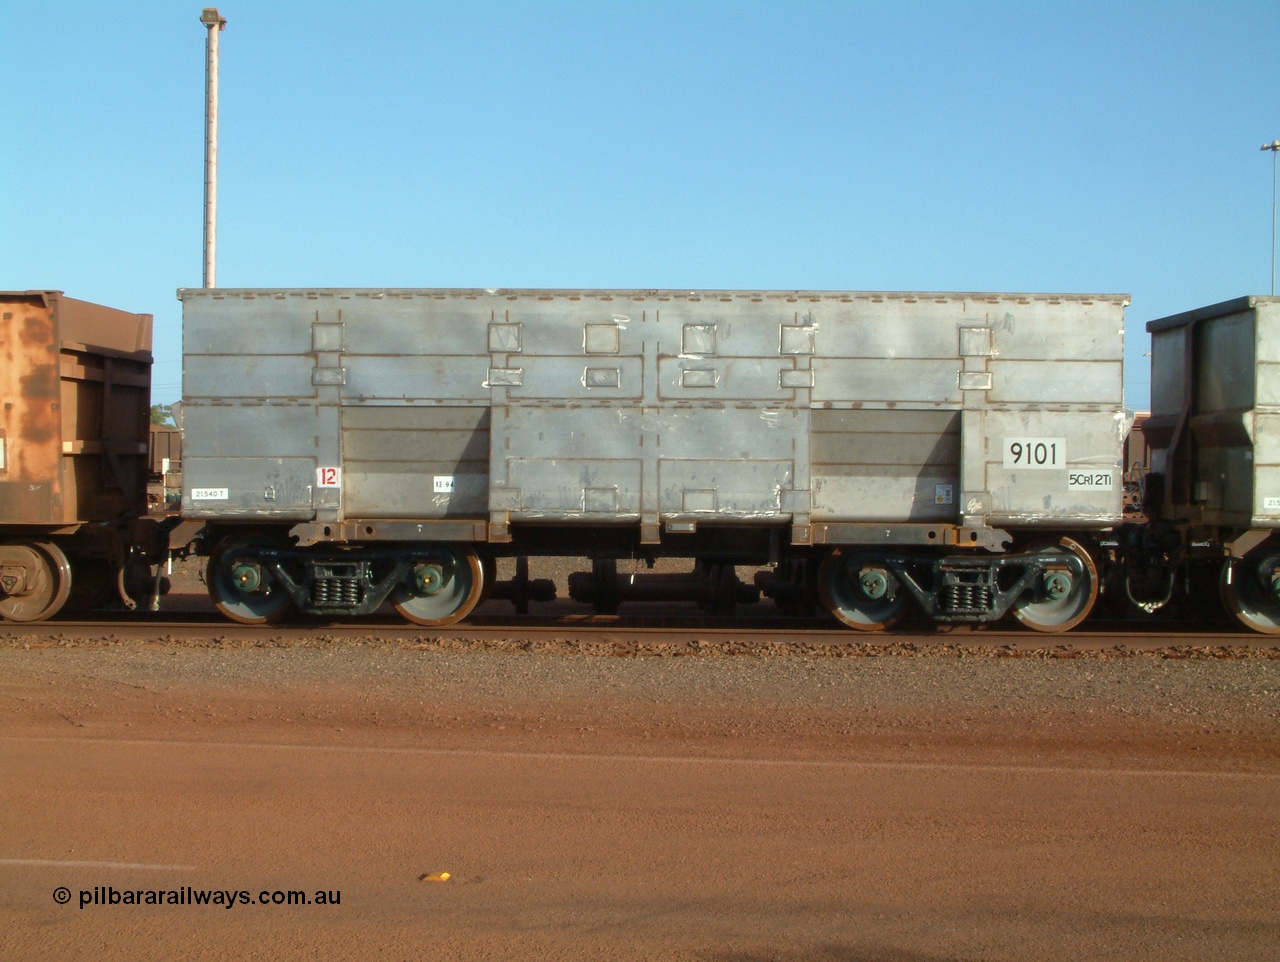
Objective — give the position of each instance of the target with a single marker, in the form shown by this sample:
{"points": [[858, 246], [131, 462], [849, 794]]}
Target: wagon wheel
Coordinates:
{"points": [[442, 587], [1065, 593], [1250, 589], [859, 592], [243, 588], [37, 582]]}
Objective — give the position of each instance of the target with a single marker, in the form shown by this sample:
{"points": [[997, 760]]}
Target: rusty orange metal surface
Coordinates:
{"points": [[74, 404], [30, 421]]}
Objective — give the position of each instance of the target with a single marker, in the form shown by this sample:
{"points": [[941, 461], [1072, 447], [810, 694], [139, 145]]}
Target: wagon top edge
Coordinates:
{"points": [[1236, 305], [53, 298], [184, 294], [45, 292], [83, 325]]}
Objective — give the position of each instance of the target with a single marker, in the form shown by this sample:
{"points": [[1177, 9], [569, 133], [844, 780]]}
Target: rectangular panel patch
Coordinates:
{"points": [[506, 376], [328, 376], [698, 339], [1271, 504], [600, 500], [602, 377], [975, 342], [699, 499], [601, 339], [698, 378], [326, 337], [504, 339], [975, 381], [795, 340]]}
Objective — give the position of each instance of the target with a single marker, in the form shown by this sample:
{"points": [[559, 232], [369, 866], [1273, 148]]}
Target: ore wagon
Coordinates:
{"points": [[954, 455], [1214, 433], [75, 379]]}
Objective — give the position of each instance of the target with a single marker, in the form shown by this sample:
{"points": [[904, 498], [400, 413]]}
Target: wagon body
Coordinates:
{"points": [[76, 383], [660, 409], [1214, 429]]}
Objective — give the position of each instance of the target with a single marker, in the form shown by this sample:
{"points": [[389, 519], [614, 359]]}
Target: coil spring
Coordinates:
{"points": [[337, 592], [966, 598]]}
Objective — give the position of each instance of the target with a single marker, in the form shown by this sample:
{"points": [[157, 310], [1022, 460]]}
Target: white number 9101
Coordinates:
{"points": [[1035, 453]]}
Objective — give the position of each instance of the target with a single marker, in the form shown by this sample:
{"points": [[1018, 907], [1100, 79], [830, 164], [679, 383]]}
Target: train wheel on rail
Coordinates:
{"points": [[445, 585], [241, 586], [1066, 593], [1251, 589], [35, 580], [859, 592]]}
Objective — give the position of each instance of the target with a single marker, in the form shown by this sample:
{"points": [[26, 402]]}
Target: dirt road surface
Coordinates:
{"points": [[710, 807]]}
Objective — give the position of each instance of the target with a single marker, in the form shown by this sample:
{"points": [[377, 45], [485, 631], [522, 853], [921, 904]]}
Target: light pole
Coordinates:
{"points": [[1274, 147], [210, 17]]}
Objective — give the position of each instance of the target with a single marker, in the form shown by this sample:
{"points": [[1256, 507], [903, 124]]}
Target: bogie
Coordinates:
{"points": [[255, 577], [1050, 587]]}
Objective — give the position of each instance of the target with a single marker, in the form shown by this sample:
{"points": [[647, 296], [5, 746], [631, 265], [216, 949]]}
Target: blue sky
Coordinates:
{"points": [[1081, 147]]}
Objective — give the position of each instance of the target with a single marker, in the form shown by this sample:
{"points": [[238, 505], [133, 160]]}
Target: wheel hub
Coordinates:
{"points": [[1057, 585], [13, 580], [247, 576], [874, 583], [428, 578]]}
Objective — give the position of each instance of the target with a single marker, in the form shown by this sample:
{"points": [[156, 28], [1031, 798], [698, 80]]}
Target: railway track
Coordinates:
{"points": [[658, 630]]}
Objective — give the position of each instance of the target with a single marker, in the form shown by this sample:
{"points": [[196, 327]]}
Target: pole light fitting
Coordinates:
{"points": [[216, 23], [1274, 147]]}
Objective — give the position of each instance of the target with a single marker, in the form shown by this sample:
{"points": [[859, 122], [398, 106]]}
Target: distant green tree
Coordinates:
{"points": [[161, 415]]}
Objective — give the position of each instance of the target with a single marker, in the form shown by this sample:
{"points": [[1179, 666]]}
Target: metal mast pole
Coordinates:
{"points": [[215, 24], [1274, 147]]}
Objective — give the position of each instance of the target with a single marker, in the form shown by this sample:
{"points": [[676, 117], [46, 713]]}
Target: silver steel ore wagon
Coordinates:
{"points": [[953, 454]]}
